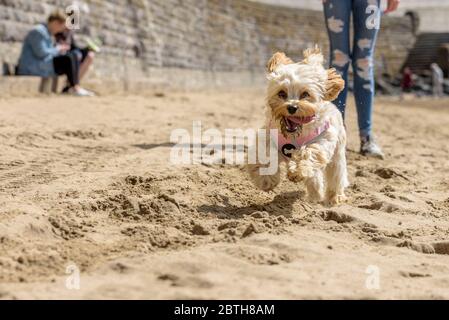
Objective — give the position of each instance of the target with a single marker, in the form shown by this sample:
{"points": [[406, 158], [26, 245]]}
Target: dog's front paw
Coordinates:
{"points": [[335, 199], [293, 174], [310, 158], [297, 172], [300, 171]]}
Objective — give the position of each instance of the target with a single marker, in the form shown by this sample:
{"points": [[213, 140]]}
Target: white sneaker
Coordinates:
{"points": [[81, 92], [369, 148]]}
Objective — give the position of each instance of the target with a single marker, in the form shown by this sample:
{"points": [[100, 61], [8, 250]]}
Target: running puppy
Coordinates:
{"points": [[311, 136]]}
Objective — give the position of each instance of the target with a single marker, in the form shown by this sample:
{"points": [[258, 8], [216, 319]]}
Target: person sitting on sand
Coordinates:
{"points": [[40, 57], [84, 55]]}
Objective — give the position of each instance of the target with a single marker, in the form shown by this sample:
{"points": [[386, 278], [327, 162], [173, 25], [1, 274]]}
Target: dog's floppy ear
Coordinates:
{"points": [[276, 60], [334, 85]]}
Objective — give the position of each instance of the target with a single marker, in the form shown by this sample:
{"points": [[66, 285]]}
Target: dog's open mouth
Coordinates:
{"points": [[293, 123]]}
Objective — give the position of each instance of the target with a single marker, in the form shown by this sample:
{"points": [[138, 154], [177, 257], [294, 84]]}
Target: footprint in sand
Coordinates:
{"points": [[381, 206], [412, 274], [338, 217], [427, 248], [387, 173]]}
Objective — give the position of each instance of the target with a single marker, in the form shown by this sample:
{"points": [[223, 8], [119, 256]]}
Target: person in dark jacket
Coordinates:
{"points": [[85, 55]]}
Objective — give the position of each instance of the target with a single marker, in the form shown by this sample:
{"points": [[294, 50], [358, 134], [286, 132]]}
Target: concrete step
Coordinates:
{"points": [[26, 86], [19, 86], [157, 79]]}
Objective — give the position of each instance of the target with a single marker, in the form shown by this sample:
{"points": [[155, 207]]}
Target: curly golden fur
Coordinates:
{"points": [[303, 91]]}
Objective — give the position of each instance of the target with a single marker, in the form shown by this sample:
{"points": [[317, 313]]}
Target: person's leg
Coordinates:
{"points": [[69, 65], [366, 17], [64, 65], [75, 67], [86, 62], [76, 52], [366, 26], [337, 14]]}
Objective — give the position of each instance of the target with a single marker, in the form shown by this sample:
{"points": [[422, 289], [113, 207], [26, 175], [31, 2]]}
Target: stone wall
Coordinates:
{"points": [[190, 42], [433, 14]]}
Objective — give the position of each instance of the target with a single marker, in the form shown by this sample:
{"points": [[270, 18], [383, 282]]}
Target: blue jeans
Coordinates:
{"points": [[366, 20]]}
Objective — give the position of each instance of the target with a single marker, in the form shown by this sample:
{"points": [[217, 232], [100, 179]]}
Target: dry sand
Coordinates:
{"points": [[87, 182]]}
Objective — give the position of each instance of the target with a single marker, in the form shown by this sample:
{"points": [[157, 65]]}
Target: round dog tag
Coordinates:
{"points": [[287, 150]]}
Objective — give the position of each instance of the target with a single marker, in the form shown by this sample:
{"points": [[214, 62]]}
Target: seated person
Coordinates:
{"points": [[40, 57], [84, 55]]}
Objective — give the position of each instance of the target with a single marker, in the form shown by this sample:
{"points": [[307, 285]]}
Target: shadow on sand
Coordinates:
{"points": [[282, 204]]}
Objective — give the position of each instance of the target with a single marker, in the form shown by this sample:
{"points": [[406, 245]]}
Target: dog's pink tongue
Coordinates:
{"points": [[300, 120]]}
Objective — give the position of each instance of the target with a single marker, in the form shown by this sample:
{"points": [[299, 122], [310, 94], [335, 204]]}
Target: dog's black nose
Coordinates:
{"points": [[292, 109]]}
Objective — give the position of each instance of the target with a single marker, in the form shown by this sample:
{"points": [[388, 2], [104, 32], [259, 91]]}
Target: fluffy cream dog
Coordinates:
{"points": [[311, 135]]}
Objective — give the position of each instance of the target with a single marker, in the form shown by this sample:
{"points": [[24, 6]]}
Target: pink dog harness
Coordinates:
{"points": [[287, 145]]}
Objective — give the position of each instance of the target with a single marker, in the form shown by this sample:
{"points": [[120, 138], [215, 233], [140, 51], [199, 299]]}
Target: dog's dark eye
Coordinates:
{"points": [[282, 94], [305, 95]]}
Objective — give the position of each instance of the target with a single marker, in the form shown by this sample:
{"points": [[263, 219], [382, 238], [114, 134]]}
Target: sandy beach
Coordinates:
{"points": [[87, 184]]}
